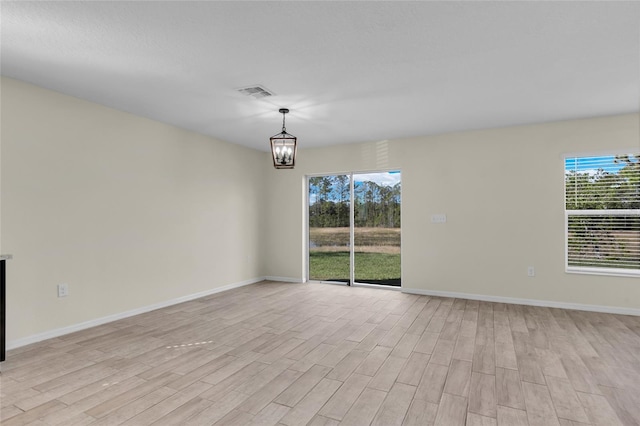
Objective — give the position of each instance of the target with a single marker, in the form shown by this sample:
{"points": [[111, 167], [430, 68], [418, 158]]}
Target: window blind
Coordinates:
{"points": [[602, 214]]}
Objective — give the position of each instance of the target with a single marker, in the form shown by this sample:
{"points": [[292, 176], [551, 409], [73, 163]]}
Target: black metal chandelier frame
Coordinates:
{"points": [[284, 146]]}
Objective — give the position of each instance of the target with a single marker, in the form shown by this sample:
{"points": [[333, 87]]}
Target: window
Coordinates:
{"points": [[602, 214]]}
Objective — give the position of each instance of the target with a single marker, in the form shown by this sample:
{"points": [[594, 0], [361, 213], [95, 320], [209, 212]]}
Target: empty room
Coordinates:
{"points": [[320, 213]]}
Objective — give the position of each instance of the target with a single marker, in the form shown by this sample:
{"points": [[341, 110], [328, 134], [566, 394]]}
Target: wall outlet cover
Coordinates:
{"points": [[438, 218], [63, 290]]}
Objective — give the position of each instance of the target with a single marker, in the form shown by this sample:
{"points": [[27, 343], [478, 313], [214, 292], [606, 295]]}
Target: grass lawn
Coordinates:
{"points": [[374, 268]]}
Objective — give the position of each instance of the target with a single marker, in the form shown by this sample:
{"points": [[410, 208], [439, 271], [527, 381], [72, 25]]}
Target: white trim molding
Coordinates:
{"points": [[284, 279], [529, 302], [12, 344]]}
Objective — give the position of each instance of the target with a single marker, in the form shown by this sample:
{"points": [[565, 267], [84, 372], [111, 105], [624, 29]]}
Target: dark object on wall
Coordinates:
{"points": [[3, 297], [3, 304]]}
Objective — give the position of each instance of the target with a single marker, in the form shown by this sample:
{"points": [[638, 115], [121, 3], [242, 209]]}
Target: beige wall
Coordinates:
{"points": [[127, 211], [502, 192]]}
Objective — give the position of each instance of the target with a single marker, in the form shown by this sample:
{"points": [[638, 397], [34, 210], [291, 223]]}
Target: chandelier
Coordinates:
{"points": [[283, 147]]}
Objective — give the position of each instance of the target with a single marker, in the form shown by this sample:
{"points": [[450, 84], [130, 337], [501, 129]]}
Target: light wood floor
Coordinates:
{"points": [[295, 354]]}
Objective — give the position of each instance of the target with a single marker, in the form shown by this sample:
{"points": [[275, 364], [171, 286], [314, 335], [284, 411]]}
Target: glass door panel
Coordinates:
{"points": [[329, 228], [377, 228]]}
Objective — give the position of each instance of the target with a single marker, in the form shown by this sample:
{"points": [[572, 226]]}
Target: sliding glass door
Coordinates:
{"points": [[377, 228], [329, 228], [354, 228]]}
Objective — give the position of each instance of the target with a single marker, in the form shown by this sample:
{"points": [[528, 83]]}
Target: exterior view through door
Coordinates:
{"points": [[354, 228]]}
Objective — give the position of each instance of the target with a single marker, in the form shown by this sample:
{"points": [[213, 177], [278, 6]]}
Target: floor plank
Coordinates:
{"points": [[511, 417], [508, 388], [598, 409], [540, 409], [432, 383], [420, 413], [308, 406], [395, 406], [459, 378], [452, 411], [482, 394], [343, 399], [565, 400], [365, 407]]}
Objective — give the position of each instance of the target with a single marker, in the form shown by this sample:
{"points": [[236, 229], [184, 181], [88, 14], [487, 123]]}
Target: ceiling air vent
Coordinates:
{"points": [[257, 92]]}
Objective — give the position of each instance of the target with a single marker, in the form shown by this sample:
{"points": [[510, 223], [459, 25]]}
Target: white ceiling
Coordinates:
{"points": [[349, 71]]}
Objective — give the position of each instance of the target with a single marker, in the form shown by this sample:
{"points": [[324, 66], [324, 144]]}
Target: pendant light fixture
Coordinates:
{"points": [[283, 147]]}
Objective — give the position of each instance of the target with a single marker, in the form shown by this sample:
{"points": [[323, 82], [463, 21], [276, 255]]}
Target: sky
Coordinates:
{"points": [[591, 165], [381, 178]]}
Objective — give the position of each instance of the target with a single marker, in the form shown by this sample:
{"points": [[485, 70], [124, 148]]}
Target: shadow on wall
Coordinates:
{"points": [[376, 153]]}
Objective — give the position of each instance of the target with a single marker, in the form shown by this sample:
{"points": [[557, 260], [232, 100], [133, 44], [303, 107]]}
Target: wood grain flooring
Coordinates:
{"points": [[296, 354]]}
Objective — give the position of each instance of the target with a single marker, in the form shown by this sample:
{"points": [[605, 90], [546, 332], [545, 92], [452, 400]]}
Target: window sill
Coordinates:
{"points": [[635, 273]]}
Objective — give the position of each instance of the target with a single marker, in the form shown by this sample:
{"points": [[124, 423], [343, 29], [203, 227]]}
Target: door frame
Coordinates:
{"points": [[352, 281]]}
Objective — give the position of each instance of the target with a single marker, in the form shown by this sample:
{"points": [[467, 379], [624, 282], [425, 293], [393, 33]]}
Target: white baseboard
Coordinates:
{"points": [[530, 302], [284, 279], [12, 344]]}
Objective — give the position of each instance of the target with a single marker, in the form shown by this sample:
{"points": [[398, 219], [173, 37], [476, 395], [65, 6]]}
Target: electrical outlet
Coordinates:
{"points": [[63, 290], [438, 218], [531, 272]]}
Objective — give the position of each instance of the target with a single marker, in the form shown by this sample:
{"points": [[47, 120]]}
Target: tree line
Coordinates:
{"points": [[375, 205], [605, 190]]}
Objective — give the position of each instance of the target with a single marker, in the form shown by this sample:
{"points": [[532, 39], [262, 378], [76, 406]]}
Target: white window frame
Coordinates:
{"points": [[622, 272]]}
